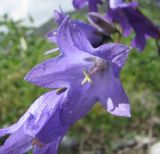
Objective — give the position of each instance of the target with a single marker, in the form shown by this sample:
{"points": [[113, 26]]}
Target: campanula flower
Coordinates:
{"points": [[78, 4], [83, 76], [129, 17], [80, 63]]}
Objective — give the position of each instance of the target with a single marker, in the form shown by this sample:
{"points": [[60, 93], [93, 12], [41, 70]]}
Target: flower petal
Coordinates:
{"points": [[112, 94], [36, 116], [113, 52], [118, 99], [73, 105], [121, 110], [95, 37], [59, 16], [118, 15], [93, 5], [42, 120], [13, 128], [52, 36], [80, 100], [141, 24], [79, 38], [130, 17], [17, 143], [139, 42], [39, 119], [60, 71], [79, 4], [113, 4], [101, 23], [68, 36]]}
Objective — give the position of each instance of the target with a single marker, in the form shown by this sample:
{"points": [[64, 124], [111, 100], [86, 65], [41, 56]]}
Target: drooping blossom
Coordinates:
{"points": [[95, 36], [129, 17], [84, 75], [92, 4]]}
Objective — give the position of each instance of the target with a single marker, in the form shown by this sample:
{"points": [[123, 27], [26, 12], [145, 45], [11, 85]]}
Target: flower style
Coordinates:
{"points": [[84, 75], [79, 4], [129, 17]]}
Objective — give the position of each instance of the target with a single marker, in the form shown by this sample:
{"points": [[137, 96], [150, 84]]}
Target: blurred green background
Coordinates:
{"points": [[22, 47]]}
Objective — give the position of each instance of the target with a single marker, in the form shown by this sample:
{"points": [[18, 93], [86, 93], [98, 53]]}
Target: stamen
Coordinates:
{"points": [[60, 90], [87, 78], [37, 142], [99, 66]]}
